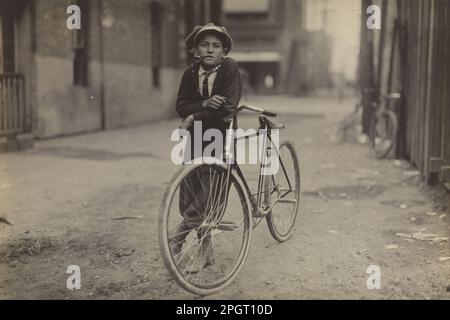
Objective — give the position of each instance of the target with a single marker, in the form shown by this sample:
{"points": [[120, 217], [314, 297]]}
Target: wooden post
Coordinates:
{"points": [[366, 67]]}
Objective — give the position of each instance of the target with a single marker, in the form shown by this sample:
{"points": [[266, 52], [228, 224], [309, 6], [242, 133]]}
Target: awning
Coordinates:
{"points": [[256, 56]]}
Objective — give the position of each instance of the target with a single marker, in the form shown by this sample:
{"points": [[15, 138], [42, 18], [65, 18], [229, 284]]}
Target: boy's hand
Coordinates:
{"points": [[215, 102], [228, 106], [187, 122]]}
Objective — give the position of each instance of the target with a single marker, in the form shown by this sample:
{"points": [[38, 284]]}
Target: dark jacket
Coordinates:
{"points": [[227, 84]]}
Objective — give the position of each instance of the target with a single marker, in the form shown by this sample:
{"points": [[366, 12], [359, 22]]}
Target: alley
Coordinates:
{"points": [[92, 200]]}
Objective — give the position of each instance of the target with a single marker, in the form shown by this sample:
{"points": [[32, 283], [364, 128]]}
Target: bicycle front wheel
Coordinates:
{"points": [[282, 193], [204, 228]]}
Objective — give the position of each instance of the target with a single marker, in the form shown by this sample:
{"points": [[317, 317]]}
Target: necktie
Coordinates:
{"points": [[205, 90]]}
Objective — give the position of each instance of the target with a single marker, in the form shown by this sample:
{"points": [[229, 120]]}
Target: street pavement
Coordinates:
{"points": [[92, 200]]}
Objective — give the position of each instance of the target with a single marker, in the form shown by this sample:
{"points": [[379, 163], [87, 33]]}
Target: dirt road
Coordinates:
{"points": [[63, 197]]}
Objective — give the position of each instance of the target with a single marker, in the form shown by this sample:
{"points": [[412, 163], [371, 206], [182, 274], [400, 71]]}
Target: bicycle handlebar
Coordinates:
{"points": [[392, 96], [269, 114], [256, 109], [387, 96]]}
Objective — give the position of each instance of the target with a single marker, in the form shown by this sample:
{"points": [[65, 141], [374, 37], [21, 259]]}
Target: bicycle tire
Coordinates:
{"points": [[163, 234], [272, 224], [389, 137]]}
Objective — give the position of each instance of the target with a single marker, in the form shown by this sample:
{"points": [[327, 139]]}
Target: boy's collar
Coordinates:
{"points": [[196, 65], [201, 70]]}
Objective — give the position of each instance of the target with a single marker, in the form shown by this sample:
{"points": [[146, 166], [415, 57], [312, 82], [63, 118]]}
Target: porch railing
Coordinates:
{"points": [[12, 105]]}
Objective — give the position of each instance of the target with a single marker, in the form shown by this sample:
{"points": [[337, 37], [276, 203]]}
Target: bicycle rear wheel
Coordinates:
{"points": [[385, 134], [204, 228], [282, 193]]}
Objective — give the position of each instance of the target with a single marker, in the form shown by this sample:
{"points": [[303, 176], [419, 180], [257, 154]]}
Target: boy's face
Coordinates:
{"points": [[210, 50]]}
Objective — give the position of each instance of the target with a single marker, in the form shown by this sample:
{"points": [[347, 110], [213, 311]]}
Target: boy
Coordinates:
{"points": [[210, 90]]}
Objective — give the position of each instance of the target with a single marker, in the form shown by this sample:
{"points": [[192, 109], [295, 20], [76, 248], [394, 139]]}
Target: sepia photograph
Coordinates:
{"points": [[238, 150]]}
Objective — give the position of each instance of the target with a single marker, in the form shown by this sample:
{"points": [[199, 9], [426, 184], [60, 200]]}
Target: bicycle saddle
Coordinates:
{"points": [[274, 125]]}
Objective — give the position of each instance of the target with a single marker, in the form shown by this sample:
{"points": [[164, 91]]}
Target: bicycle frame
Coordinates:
{"points": [[259, 211]]}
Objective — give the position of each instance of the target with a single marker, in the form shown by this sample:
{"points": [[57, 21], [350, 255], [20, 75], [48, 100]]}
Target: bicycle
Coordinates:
{"points": [[384, 125], [229, 211]]}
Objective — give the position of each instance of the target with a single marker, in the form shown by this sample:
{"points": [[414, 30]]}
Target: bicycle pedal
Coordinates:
{"points": [[227, 226]]}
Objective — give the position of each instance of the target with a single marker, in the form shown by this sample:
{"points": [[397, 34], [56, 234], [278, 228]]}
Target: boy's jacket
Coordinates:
{"points": [[227, 84]]}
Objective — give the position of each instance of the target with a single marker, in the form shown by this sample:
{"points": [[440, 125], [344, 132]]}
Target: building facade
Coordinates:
{"points": [[409, 55], [121, 68], [274, 50]]}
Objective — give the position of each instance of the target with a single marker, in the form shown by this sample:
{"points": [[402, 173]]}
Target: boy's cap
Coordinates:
{"points": [[190, 43], [210, 27]]}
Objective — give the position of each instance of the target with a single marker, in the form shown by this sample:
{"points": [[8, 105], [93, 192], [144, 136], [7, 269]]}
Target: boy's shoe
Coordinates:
{"points": [[205, 258]]}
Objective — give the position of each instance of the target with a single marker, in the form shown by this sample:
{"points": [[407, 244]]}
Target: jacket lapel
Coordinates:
{"points": [[219, 79], [194, 75]]}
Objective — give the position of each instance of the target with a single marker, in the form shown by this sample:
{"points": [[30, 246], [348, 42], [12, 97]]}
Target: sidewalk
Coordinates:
{"points": [[64, 194]]}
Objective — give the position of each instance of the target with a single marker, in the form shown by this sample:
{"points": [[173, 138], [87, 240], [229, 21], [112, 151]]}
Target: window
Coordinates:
{"points": [[79, 45], [80, 68], [253, 9], [247, 6], [7, 44]]}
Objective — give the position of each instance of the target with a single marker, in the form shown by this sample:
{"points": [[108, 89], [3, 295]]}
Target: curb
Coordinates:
{"points": [[17, 143]]}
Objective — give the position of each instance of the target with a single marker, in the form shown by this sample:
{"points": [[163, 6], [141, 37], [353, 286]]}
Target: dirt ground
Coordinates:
{"points": [[63, 196]]}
